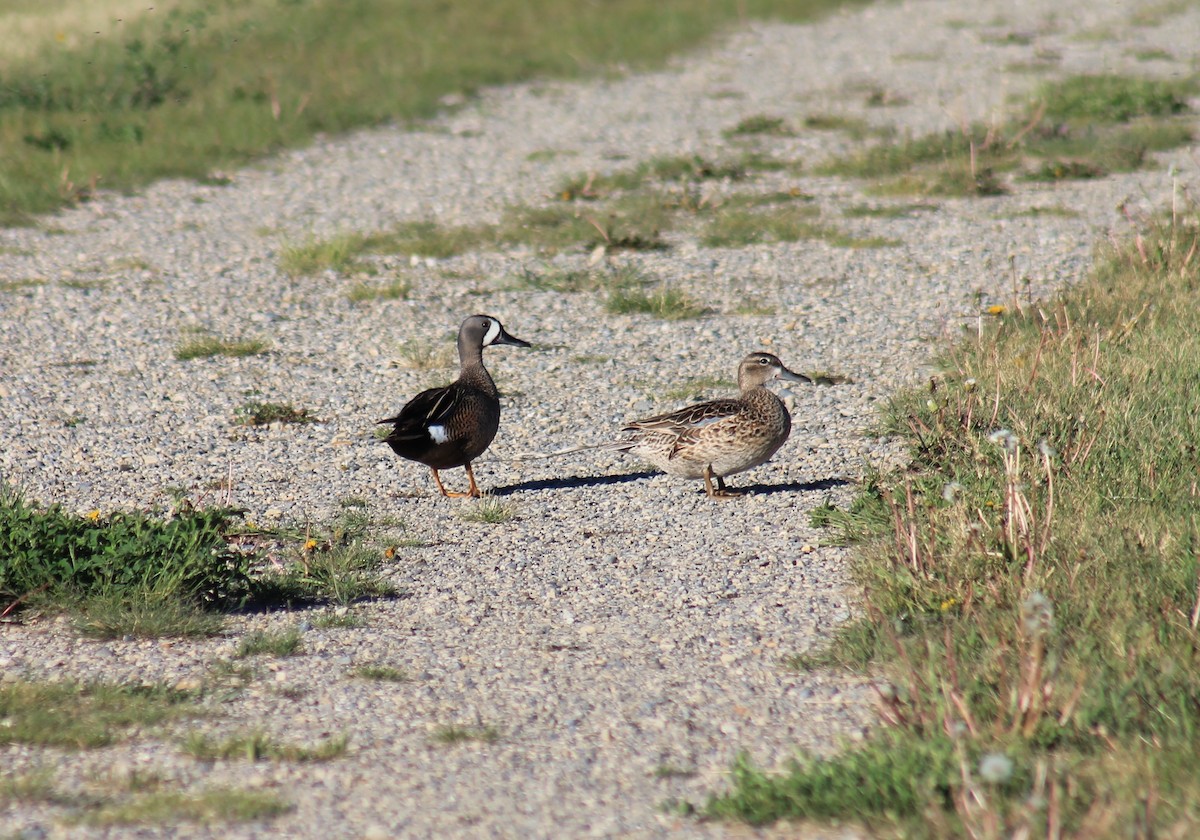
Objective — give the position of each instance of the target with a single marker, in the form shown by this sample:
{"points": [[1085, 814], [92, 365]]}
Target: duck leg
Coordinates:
{"points": [[720, 492], [437, 479], [472, 491]]}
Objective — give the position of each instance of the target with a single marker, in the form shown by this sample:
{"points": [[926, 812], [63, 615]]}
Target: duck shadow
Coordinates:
{"points": [[624, 478], [570, 482]]}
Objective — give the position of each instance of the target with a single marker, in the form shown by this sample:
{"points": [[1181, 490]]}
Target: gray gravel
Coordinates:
{"points": [[621, 622]]}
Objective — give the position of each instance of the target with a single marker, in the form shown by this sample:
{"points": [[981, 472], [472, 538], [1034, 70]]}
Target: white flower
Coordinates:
{"points": [[995, 768], [1005, 439], [1037, 614]]}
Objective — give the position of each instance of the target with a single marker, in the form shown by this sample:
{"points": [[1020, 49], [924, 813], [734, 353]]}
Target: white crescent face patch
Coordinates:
{"points": [[492, 334], [438, 434]]}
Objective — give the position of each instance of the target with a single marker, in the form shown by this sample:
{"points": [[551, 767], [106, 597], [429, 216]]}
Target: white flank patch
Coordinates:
{"points": [[438, 433], [492, 334]]}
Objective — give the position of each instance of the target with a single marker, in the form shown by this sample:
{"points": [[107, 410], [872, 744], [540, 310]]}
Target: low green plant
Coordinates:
{"points": [[256, 413], [422, 354], [278, 643], [380, 673], [48, 556], [398, 288], [213, 806], [338, 619], [760, 124], [490, 511], [339, 253], [119, 613], [455, 734], [1030, 577], [203, 346], [665, 302], [259, 746], [72, 715]]}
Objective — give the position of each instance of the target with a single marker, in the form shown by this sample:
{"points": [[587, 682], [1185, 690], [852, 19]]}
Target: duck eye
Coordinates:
{"points": [[763, 360]]}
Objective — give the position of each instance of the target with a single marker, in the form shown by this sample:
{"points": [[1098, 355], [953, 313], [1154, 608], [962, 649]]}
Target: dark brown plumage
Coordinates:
{"points": [[453, 425]]}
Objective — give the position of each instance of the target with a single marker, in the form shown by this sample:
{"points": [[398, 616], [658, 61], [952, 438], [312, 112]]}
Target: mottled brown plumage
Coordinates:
{"points": [[453, 425], [722, 437]]}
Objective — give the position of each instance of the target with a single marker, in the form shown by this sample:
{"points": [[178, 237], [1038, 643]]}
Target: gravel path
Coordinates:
{"points": [[621, 623]]}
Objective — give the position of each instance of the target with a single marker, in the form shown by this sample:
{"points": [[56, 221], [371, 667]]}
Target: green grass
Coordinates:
{"points": [[761, 124], [255, 413], [1030, 578], [1078, 127], [341, 570], [735, 227], [259, 746], [455, 734], [278, 643], [489, 511], [19, 285], [118, 613], [339, 254], [380, 673], [398, 288], [54, 560], [697, 387], [213, 806], [203, 346], [208, 86], [665, 302], [78, 716]]}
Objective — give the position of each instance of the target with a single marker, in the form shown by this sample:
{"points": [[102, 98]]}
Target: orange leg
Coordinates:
{"points": [[437, 479], [472, 491], [720, 492]]}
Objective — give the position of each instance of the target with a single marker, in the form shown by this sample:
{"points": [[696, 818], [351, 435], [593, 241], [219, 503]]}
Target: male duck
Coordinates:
{"points": [[453, 425], [718, 438]]}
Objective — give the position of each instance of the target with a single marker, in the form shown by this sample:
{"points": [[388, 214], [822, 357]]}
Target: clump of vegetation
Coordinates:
{"points": [[489, 511], [49, 557], [761, 124], [1031, 578], [201, 345], [255, 413], [1080, 127], [398, 288], [259, 746], [217, 805], [455, 734], [339, 253], [278, 643], [84, 716], [666, 302], [380, 673]]}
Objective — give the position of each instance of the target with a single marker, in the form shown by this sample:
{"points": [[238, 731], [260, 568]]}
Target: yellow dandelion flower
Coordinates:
{"points": [[93, 515], [997, 309], [948, 603], [390, 552], [309, 545]]}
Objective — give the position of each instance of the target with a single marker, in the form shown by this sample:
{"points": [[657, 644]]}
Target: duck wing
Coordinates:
{"points": [[687, 420], [428, 408]]}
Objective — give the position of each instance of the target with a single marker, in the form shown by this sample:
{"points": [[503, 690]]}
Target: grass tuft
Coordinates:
{"points": [[259, 746], [667, 303], [84, 716], [201, 346], [1031, 577], [380, 673], [214, 806], [279, 643], [339, 254], [489, 511], [455, 734], [256, 413]]}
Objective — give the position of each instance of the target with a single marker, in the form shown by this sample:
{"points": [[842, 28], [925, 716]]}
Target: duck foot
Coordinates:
{"points": [[721, 491], [472, 491]]}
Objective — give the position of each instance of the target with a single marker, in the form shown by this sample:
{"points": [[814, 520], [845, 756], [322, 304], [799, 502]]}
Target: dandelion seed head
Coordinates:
{"points": [[951, 490], [970, 384], [1037, 614], [1047, 450], [995, 768], [1005, 439]]}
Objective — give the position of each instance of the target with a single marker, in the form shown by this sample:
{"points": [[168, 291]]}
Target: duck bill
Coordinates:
{"points": [[792, 376], [512, 341]]}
